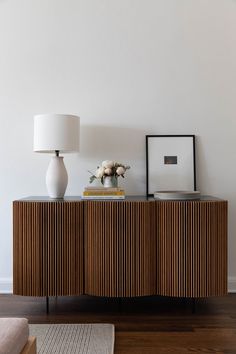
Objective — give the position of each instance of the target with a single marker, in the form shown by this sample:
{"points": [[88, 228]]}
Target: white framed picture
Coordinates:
{"points": [[170, 163]]}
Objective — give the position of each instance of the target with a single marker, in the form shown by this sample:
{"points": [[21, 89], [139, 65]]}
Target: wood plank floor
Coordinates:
{"points": [[150, 325]]}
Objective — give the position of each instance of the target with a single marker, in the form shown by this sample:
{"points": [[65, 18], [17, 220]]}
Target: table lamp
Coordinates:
{"points": [[56, 133]]}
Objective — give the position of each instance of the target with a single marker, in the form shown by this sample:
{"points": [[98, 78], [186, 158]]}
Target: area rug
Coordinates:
{"points": [[74, 338]]}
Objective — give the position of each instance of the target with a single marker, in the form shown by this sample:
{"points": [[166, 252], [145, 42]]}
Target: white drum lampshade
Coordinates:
{"points": [[56, 133]]}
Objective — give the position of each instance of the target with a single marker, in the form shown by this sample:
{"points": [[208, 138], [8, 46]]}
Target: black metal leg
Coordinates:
{"points": [[120, 304], [47, 304], [193, 305]]}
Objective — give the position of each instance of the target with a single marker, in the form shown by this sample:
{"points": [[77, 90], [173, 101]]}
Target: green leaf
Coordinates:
{"points": [[92, 178]]}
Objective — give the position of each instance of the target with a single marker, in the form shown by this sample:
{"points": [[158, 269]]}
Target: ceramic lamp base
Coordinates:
{"points": [[56, 178]]}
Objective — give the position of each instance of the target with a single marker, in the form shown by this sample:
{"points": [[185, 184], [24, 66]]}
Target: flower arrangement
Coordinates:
{"points": [[109, 169]]}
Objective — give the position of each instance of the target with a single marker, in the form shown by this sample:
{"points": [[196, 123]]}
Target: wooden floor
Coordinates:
{"points": [[150, 325]]}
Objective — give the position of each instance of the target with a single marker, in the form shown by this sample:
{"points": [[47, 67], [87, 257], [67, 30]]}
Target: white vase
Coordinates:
{"points": [[110, 182], [56, 178]]}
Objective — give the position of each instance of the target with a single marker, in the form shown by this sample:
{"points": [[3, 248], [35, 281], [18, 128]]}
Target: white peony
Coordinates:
{"points": [[107, 164], [100, 172], [120, 170], [108, 171]]}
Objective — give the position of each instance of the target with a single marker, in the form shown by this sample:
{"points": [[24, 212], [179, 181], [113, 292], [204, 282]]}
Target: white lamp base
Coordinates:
{"points": [[56, 178]]}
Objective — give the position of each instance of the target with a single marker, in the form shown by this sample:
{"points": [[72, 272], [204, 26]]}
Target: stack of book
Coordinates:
{"points": [[103, 193]]}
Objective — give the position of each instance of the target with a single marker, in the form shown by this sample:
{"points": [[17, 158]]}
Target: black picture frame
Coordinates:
{"points": [[172, 159]]}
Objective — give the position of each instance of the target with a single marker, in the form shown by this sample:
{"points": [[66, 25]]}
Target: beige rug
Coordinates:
{"points": [[74, 338]]}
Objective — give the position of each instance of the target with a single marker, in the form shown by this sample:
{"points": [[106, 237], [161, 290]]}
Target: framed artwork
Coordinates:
{"points": [[170, 163]]}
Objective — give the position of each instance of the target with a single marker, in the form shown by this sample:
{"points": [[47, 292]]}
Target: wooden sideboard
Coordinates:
{"points": [[135, 247]]}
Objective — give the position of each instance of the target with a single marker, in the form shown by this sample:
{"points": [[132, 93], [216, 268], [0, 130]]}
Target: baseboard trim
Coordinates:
{"points": [[6, 285], [232, 284]]}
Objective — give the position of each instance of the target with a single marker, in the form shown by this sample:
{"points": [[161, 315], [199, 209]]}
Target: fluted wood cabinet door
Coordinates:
{"points": [[135, 247], [48, 248], [119, 248], [191, 248]]}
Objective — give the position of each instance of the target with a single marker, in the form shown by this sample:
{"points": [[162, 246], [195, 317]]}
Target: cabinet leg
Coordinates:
{"points": [[120, 304], [47, 304], [193, 305]]}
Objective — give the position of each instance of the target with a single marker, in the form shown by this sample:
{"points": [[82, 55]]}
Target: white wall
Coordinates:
{"points": [[128, 68]]}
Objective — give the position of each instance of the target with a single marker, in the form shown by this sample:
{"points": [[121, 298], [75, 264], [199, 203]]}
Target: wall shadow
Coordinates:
{"points": [[121, 144], [112, 142]]}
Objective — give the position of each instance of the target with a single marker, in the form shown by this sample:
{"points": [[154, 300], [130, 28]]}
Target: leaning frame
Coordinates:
{"points": [[148, 192]]}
